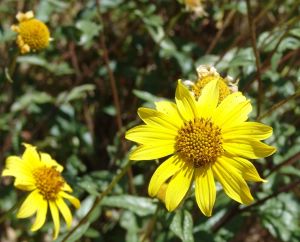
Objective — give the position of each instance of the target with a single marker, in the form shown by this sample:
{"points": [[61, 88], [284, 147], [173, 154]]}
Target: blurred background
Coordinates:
{"points": [[76, 98]]}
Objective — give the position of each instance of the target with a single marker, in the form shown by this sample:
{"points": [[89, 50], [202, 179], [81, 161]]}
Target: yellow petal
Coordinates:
{"points": [[46, 159], [24, 185], [67, 188], [252, 130], [170, 109], [55, 217], [209, 98], [179, 186], [225, 108], [238, 115], [157, 119], [14, 166], [244, 167], [30, 205], [167, 169], [186, 103], [145, 134], [42, 207], [31, 157], [73, 200], [205, 190], [233, 184], [146, 152], [248, 148], [65, 211]]}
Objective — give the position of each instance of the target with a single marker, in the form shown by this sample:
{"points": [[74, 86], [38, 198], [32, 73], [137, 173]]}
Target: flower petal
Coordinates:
{"points": [[146, 152], [55, 217], [227, 106], [73, 200], [178, 187], [186, 103], [145, 134], [46, 158], [170, 109], [31, 157], [244, 167], [233, 184], [157, 119], [14, 166], [205, 190], [42, 207], [248, 148], [30, 205], [252, 130], [209, 98], [167, 169], [65, 211]]}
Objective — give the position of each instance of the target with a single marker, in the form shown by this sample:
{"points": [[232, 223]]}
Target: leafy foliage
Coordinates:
{"points": [[63, 100]]}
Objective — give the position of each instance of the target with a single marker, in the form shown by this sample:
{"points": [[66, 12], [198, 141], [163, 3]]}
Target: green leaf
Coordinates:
{"points": [[30, 99], [182, 225], [139, 205], [146, 96], [128, 222], [88, 30], [78, 92]]}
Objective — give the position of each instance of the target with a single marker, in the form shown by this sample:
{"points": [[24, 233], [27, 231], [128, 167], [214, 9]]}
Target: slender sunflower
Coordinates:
{"points": [[33, 34], [40, 175], [204, 140]]}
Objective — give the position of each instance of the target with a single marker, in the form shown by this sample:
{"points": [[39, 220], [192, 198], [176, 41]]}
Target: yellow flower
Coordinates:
{"points": [[205, 140], [40, 175], [33, 34]]}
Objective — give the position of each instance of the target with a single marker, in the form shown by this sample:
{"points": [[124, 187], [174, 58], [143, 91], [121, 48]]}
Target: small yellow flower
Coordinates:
{"points": [[205, 139], [40, 175], [33, 34]]}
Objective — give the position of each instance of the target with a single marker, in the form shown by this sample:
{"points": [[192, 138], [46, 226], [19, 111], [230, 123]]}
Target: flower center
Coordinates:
{"points": [[199, 142], [48, 181], [224, 90], [34, 33]]}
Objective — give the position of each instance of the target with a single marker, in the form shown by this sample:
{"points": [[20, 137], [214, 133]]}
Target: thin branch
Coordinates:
{"points": [[289, 161], [257, 58], [99, 199], [221, 30], [278, 105], [114, 89], [281, 190]]}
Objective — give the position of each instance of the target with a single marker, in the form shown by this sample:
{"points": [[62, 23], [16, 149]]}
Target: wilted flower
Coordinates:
{"points": [[195, 6], [40, 175], [205, 139], [207, 74], [33, 34]]}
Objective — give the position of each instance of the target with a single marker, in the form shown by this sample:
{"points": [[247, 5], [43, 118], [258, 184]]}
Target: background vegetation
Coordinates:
{"points": [[76, 99]]}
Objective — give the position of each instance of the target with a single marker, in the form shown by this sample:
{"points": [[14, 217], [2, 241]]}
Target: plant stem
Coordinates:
{"points": [[99, 199], [257, 58]]}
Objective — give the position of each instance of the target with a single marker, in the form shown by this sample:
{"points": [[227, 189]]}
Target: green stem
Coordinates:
{"points": [[99, 199]]}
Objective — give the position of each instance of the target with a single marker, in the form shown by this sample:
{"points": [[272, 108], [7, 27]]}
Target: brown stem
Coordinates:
{"points": [[257, 58], [115, 93], [278, 105], [220, 32]]}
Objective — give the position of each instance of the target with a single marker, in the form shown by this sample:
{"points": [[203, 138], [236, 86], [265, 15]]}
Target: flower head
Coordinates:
{"points": [[33, 34], [195, 6], [40, 175], [207, 74], [205, 139]]}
